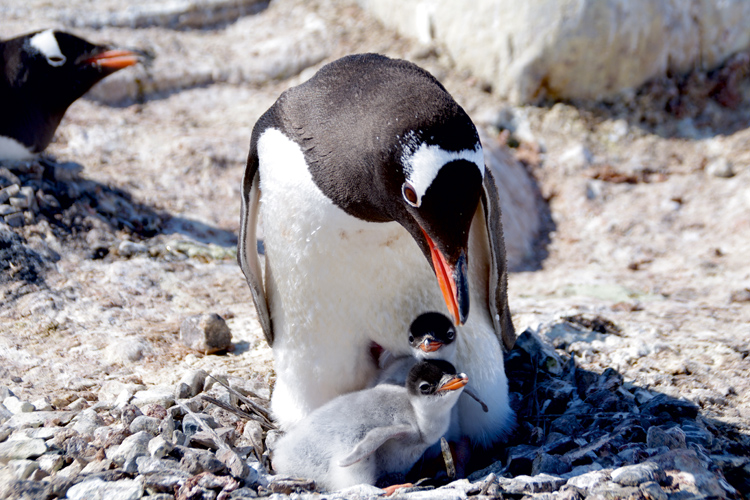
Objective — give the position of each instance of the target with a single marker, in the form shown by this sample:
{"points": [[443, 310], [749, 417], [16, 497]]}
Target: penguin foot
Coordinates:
{"points": [[390, 490]]}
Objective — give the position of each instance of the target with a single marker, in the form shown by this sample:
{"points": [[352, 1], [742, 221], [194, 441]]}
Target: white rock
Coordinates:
{"points": [[96, 489], [16, 406], [161, 395], [22, 469], [720, 167], [51, 462], [42, 404], [158, 447], [573, 48]]}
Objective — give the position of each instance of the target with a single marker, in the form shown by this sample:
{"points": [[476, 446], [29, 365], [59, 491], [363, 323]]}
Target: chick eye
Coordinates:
{"points": [[451, 334], [411, 339], [424, 388], [410, 194]]}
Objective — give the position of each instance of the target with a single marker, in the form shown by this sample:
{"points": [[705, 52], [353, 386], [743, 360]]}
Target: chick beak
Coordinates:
{"points": [[430, 346], [454, 383]]}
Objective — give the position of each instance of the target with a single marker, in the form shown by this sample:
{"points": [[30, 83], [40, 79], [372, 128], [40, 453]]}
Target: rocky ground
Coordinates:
{"points": [[640, 280]]}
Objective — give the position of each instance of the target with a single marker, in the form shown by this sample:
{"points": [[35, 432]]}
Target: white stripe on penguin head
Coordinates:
{"points": [[424, 164], [46, 43]]}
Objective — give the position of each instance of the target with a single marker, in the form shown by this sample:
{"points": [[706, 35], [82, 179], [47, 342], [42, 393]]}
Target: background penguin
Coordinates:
{"points": [[41, 74], [371, 183], [372, 434]]}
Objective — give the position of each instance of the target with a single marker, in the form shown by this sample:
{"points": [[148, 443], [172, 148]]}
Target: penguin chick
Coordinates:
{"points": [[431, 336], [41, 74], [365, 436]]}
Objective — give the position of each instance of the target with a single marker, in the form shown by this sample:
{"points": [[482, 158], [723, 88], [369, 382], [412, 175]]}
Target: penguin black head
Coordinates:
{"points": [[394, 146], [42, 73], [431, 331], [434, 377]]}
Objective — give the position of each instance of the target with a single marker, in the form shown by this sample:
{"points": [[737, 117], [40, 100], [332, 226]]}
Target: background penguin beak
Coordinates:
{"points": [[114, 59], [453, 281], [454, 383]]}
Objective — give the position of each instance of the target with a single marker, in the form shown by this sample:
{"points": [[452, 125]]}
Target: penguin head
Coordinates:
{"points": [[439, 195], [57, 67], [435, 379], [432, 335]]}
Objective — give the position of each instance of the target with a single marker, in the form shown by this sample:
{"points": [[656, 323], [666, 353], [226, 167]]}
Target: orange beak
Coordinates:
{"points": [[114, 59], [428, 346], [456, 297], [456, 382]]}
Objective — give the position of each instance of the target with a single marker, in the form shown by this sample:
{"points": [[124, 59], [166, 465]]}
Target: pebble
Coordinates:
{"points": [[145, 423], [124, 489], [720, 167], [161, 395], [159, 447], [22, 469], [635, 475], [15, 405], [207, 333], [22, 448]]}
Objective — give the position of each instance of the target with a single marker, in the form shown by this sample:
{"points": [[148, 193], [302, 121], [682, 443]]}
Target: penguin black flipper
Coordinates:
{"points": [[373, 440], [498, 282], [247, 252]]}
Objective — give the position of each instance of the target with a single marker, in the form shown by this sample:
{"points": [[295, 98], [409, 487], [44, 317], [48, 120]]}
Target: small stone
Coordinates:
{"points": [[144, 423], [159, 447], [567, 425], [549, 464], [42, 404], [87, 422], [544, 354], [587, 481], [161, 395], [236, 466], [22, 469], [652, 491], [635, 475], [167, 481], [124, 489], [166, 428], [22, 448], [78, 404], [51, 462], [520, 459], [8, 191], [132, 447], [15, 219], [672, 438], [207, 333], [247, 493], [129, 249], [193, 382], [206, 439], [531, 484], [15, 405], [67, 172], [5, 414], [195, 461], [720, 167], [150, 465]]}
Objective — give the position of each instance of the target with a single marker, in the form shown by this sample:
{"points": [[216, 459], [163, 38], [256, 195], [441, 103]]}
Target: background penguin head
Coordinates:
{"points": [[60, 67]]}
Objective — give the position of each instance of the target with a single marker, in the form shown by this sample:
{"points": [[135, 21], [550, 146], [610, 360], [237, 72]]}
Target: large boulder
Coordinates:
{"points": [[572, 48]]}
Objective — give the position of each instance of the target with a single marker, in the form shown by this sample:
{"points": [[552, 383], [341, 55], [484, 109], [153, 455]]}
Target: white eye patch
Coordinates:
{"points": [[424, 164], [46, 43]]}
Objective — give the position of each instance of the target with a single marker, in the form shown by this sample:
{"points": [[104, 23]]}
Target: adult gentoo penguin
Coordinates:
{"points": [[371, 183], [41, 74], [365, 436]]}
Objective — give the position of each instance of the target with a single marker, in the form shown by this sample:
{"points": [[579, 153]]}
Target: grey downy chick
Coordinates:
{"points": [[365, 436]]}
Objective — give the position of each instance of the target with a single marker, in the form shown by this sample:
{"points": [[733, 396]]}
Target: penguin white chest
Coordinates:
{"points": [[332, 273]]}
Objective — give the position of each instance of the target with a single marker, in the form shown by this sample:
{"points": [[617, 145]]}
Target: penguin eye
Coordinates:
{"points": [[424, 388], [451, 334], [410, 195], [411, 339]]}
